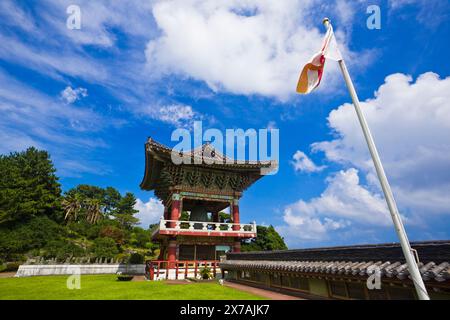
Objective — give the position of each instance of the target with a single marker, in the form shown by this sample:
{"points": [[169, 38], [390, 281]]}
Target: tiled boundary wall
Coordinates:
{"points": [[326, 288]]}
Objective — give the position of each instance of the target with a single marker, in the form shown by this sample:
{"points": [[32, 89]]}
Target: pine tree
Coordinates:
{"points": [[124, 212], [267, 239], [28, 187]]}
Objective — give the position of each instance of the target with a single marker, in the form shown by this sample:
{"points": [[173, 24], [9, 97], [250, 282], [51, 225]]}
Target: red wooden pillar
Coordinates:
{"points": [[161, 253], [172, 253], [215, 217], [157, 270], [166, 213], [176, 207], [235, 211], [237, 246]]}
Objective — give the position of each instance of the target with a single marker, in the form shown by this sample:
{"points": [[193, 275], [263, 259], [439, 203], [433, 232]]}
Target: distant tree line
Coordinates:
{"points": [[37, 219]]}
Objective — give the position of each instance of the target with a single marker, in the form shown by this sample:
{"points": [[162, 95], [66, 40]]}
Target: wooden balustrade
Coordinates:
{"points": [[207, 227], [154, 267]]}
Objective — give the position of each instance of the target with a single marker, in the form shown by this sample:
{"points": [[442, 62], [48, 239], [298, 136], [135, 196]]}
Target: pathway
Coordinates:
{"points": [[260, 292]]}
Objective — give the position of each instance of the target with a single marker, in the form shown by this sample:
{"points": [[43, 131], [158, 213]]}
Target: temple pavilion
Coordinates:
{"points": [[194, 194]]}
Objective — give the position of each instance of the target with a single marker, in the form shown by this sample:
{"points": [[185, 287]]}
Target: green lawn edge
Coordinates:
{"points": [[106, 287]]}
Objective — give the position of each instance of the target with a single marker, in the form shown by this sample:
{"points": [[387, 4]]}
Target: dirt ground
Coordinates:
{"points": [[7, 274]]}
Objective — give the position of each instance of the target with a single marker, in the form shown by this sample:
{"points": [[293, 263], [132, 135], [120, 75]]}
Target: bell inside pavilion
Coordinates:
{"points": [[192, 227]]}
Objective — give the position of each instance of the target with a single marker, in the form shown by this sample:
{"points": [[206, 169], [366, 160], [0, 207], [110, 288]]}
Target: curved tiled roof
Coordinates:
{"points": [[357, 260], [429, 271], [159, 156], [428, 251], [209, 154]]}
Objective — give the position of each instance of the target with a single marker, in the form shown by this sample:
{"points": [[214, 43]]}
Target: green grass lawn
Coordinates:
{"points": [[107, 287]]}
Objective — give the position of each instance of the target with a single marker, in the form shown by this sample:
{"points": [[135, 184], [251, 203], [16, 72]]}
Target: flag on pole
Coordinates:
{"points": [[313, 71], [309, 80]]}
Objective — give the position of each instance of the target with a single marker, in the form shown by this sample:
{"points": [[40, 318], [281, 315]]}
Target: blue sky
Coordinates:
{"points": [[92, 96]]}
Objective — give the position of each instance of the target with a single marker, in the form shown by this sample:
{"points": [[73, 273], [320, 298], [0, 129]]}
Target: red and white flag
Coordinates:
{"points": [[313, 71]]}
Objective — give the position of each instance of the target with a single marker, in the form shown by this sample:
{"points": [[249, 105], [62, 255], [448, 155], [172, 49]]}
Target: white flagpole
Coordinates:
{"points": [[399, 228]]}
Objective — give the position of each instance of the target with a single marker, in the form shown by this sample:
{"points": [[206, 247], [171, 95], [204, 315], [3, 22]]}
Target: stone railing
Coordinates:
{"points": [[68, 269], [207, 227], [73, 260]]}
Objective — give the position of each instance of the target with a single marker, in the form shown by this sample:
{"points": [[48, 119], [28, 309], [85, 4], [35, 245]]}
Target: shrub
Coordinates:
{"points": [[139, 237], [34, 234], [114, 233], [12, 266], [121, 257], [124, 277], [205, 273], [79, 227], [104, 248], [61, 250], [136, 258]]}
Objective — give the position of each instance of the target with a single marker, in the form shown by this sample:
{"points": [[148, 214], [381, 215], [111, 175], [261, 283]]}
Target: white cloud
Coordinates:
{"points": [[14, 15], [303, 163], [31, 118], [344, 202], [149, 212], [178, 115], [99, 19], [250, 47], [52, 62], [272, 125], [396, 4], [410, 122], [70, 95]]}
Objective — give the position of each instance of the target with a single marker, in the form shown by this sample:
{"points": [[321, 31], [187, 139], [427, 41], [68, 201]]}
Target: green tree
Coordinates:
{"points": [[104, 248], [111, 199], [76, 205], [28, 187], [72, 205], [267, 239], [140, 238], [85, 191], [91, 203], [124, 212], [224, 217], [114, 233], [33, 234], [93, 210]]}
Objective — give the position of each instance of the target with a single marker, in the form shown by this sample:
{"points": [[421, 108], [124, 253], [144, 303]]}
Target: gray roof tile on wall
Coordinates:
{"points": [[430, 271], [428, 251]]}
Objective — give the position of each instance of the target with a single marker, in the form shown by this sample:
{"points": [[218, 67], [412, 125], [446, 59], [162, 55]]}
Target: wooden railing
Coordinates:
{"points": [[207, 227], [181, 269]]}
